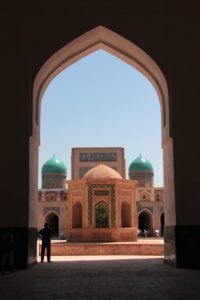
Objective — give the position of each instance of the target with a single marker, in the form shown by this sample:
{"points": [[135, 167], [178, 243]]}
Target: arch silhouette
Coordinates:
{"points": [[95, 39], [145, 221], [105, 39], [101, 215], [52, 218]]}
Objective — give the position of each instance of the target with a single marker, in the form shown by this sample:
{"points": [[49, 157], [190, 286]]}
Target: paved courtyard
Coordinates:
{"points": [[101, 277]]}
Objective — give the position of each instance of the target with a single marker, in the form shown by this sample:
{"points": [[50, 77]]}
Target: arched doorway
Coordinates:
{"points": [[103, 38], [162, 224], [126, 214], [145, 222], [53, 221], [101, 215], [77, 215]]}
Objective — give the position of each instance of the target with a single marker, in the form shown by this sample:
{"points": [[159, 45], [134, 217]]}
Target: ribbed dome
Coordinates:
{"points": [[141, 164], [101, 172], [55, 166]]}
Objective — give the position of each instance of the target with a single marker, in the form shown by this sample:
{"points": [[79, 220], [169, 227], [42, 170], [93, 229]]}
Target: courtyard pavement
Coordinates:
{"points": [[101, 277]]}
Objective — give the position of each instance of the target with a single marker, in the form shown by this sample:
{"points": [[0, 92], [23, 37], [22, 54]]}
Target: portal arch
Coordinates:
{"points": [[95, 39], [52, 219], [145, 221]]}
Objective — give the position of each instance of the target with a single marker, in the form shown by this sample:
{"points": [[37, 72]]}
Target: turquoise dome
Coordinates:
{"points": [[141, 164], [54, 165]]}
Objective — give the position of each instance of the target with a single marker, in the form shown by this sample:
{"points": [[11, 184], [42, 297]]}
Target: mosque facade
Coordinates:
{"points": [[98, 202]]}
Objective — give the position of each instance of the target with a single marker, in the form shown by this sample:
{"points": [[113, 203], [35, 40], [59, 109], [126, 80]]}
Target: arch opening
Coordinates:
{"points": [[103, 38], [53, 222], [109, 41], [145, 223], [101, 215]]}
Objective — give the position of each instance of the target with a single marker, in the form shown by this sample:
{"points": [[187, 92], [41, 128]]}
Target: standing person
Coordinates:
{"points": [[145, 232], [7, 247], [45, 235]]}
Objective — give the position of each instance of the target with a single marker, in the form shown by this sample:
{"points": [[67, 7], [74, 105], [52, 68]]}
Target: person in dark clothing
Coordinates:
{"points": [[7, 249], [45, 234]]}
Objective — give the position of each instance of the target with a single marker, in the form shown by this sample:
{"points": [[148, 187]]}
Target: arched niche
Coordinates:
{"points": [[145, 196], [52, 219], [101, 215]]}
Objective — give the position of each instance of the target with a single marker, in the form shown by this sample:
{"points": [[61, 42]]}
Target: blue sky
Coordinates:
{"points": [[100, 101]]}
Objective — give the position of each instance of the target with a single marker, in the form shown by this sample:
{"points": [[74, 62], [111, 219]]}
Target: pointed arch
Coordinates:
{"points": [[145, 221], [113, 43], [105, 39], [101, 215], [53, 220]]}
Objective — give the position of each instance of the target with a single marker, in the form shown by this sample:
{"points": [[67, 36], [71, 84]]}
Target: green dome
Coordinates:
{"points": [[141, 164], [54, 165]]}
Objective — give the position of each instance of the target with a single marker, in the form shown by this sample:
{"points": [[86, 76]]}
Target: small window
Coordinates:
{"points": [[157, 197]]}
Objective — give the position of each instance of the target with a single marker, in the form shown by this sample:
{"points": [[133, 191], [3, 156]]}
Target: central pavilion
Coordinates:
{"points": [[101, 207]]}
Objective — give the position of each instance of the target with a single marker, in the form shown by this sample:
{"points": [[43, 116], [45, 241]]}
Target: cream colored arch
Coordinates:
{"points": [[162, 212], [102, 38], [146, 210]]}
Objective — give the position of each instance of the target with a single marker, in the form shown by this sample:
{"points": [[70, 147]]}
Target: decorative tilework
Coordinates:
{"points": [[53, 209], [91, 187]]}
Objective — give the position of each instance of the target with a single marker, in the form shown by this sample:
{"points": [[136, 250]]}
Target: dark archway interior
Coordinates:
{"points": [[162, 224], [145, 222], [53, 222]]}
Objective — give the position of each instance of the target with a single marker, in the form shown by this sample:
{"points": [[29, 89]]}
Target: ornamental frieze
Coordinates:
{"points": [[51, 209], [150, 209], [98, 156]]}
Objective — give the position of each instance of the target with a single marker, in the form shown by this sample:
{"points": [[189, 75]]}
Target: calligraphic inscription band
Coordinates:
{"points": [[98, 156]]}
